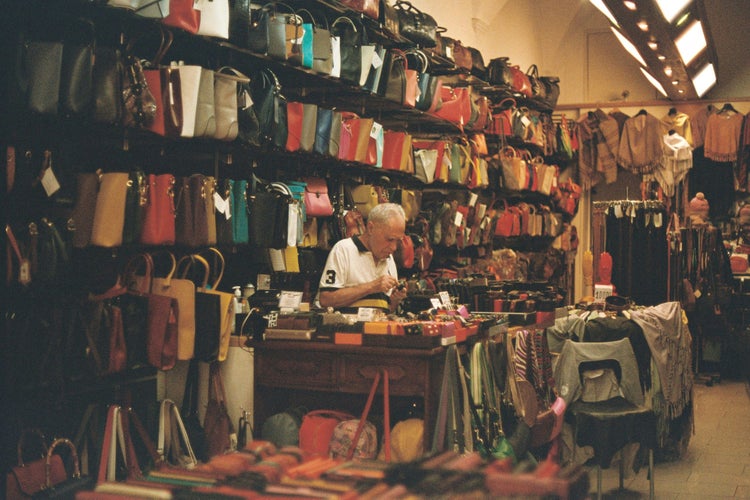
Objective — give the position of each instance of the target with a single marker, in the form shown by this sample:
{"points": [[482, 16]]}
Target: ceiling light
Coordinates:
{"points": [[682, 20], [671, 8], [643, 25], [654, 82], [680, 91], [599, 4], [653, 45], [628, 45], [661, 57], [668, 70], [691, 42], [675, 82], [704, 79], [630, 4]]}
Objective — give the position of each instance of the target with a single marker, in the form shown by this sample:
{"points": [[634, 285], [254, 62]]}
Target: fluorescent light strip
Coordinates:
{"points": [[704, 79], [691, 42], [599, 4], [670, 9], [628, 45], [654, 82]]}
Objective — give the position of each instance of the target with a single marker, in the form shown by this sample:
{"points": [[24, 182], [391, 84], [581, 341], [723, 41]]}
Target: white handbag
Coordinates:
{"points": [[336, 49], [226, 105], [197, 91], [214, 15]]}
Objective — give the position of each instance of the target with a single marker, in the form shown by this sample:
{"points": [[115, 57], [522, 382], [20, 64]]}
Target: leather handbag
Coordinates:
{"points": [[502, 117], [370, 8], [227, 89], [269, 104], [456, 107], [317, 428], [209, 315], [107, 85], [520, 81], [498, 72], [183, 15], [173, 442], [87, 189], [248, 125], [294, 112], [184, 213], [41, 66], [552, 90], [397, 151], [364, 138], [26, 479], [323, 124], [166, 87], [416, 25], [351, 37], [393, 83], [508, 222], [404, 254], [76, 71], [268, 210], [309, 127], [347, 146], [224, 213], [214, 18], [514, 169], [182, 290], [365, 198], [425, 164], [158, 221], [139, 105], [442, 160], [316, 199], [322, 49], [334, 144], [136, 199], [109, 213], [284, 34], [428, 96], [208, 193], [197, 93], [217, 423], [70, 485], [240, 231], [538, 90], [226, 302], [389, 17], [307, 44]]}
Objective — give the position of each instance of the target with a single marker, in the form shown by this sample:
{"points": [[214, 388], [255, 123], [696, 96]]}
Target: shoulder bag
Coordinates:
{"points": [[208, 311], [284, 34], [183, 290], [228, 85], [316, 199], [136, 198], [183, 15], [87, 188], [394, 81], [165, 85], [159, 219], [109, 214], [26, 479], [239, 219], [270, 105], [498, 72], [370, 8], [214, 18], [416, 25], [197, 95], [350, 38]]}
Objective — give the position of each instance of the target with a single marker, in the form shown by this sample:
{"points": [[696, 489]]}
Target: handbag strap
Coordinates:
{"points": [[222, 265], [330, 413], [192, 258], [128, 273], [363, 418], [48, 462], [190, 396], [108, 456], [22, 442]]}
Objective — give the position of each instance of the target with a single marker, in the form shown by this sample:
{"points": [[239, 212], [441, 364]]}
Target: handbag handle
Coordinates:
{"points": [[222, 265], [192, 258], [234, 73], [48, 463], [173, 268], [128, 274], [331, 413], [533, 71], [365, 413], [344, 18]]}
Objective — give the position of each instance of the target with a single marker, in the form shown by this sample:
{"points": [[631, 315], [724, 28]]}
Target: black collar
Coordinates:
{"points": [[358, 243]]}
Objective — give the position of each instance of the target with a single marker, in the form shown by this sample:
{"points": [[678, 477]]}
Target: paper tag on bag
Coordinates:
{"points": [[458, 219], [219, 204], [49, 182], [376, 61], [375, 130]]}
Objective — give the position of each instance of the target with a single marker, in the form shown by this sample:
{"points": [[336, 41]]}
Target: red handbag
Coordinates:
{"points": [[294, 114], [404, 254], [316, 430], [502, 117], [456, 106], [26, 479], [349, 135], [182, 15], [521, 82], [159, 223], [317, 201], [393, 149], [370, 8], [508, 222]]}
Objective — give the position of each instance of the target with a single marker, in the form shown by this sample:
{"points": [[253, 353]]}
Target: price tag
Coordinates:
{"points": [[366, 314], [49, 182], [244, 101], [198, 4], [618, 211], [375, 130], [473, 197], [445, 299], [24, 272], [435, 303], [290, 300], [525, 120], [458, 219], [376, 61], [658, 219], [220, 204]]}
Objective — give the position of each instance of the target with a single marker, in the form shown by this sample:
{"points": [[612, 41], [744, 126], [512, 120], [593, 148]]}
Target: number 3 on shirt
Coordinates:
{"points": [[330, 277]]}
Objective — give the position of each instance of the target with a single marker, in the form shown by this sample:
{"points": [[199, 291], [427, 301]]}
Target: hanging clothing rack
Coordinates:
{"points": [[647, 204]]}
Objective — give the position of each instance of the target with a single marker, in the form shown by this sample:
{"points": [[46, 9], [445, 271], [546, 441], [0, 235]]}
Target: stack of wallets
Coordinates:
{"points": [[294, 326]]}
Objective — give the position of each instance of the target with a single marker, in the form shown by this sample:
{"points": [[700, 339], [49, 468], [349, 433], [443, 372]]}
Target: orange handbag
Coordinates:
{"points": [[456, 106]]}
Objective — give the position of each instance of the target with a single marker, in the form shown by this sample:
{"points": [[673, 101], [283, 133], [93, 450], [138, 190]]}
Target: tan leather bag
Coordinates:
{"points": [[109, 214]]}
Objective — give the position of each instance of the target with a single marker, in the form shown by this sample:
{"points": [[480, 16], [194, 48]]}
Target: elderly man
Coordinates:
{"points": [[360, 271]]}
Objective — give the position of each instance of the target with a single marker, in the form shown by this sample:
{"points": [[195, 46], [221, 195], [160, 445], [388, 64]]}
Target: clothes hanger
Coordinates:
{"points": [[672, 111], [642, 112], [728, 108]]}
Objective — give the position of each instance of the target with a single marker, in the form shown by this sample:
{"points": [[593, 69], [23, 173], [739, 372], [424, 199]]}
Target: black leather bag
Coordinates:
{"points": [[77, 72], [393, 83], [39, 76], [269, 215], [350, 45], [478, 67], [256, 38], [389, 17], [416, 25], [270, 107], [538, 90], [107, 85], [498, 72], [240, 23], [552, 90]]}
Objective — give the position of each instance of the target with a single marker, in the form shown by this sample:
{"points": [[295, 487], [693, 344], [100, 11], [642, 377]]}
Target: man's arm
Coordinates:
{"points": [[344, 297]]}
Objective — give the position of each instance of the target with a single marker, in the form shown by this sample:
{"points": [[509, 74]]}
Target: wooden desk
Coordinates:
{"points": [[318, 375]]}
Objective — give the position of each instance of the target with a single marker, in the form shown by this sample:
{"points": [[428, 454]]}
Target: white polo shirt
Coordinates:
{"points": [[350, 263]]}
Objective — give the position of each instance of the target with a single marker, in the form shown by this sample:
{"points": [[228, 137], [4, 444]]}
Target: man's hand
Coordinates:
{"points": [[384, 284]]}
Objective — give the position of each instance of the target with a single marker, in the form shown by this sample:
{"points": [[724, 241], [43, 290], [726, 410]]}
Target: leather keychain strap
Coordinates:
{"points": [[10, 168]]}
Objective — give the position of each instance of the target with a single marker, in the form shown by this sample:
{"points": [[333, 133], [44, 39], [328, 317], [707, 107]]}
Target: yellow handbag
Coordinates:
{"points": [[410, 202], [365, 198], [109, 214]]}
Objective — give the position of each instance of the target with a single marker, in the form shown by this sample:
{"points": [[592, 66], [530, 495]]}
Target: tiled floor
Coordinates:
{"points": [[717, 463]]}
